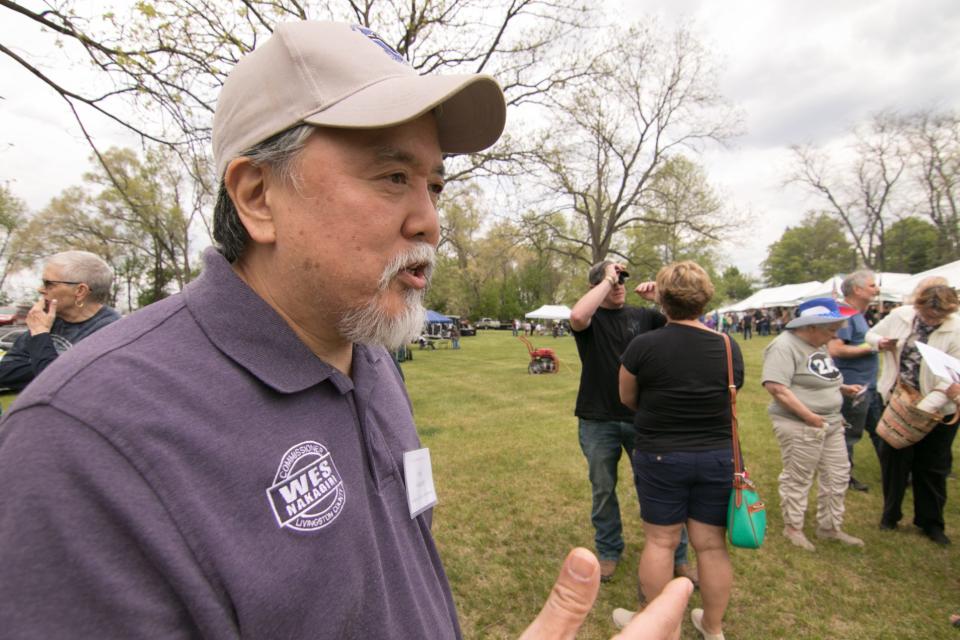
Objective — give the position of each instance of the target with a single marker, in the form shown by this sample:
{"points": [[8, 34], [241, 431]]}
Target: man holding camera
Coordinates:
{"points": [[603, 325]]}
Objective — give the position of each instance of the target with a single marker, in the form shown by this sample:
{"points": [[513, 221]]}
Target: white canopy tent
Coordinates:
{"points": [[790, 295], [787, 295], [949, 271], [550, 312], [887, 281]]}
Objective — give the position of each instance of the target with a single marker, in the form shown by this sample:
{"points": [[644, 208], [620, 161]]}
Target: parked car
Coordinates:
{"points": [[488, 323], [13, 315], [467, 329]]}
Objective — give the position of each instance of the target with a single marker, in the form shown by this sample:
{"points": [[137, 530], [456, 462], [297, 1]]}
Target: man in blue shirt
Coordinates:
{"points": [[857, 362]]}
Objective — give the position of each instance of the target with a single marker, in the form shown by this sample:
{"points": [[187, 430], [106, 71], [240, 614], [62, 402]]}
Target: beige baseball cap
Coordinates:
{"points": [[337, 75]]}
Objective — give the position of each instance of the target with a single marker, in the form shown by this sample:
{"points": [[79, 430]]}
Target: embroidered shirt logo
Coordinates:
{"points": [[307, 493]]}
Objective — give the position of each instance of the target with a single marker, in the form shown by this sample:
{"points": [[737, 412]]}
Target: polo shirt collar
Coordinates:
{"points": [[248, 331]]}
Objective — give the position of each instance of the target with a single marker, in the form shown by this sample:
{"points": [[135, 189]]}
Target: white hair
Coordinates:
{"points": [[372, 325]]}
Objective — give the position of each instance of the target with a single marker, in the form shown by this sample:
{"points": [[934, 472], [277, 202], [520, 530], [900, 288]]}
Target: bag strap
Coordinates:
{"points": [[731, 385]]}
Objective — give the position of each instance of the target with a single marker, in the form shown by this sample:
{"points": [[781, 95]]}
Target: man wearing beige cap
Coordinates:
{"points": [[240, 460]]}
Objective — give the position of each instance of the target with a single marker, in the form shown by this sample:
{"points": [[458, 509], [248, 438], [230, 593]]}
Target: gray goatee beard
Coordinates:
{"points": [[372, 325]]}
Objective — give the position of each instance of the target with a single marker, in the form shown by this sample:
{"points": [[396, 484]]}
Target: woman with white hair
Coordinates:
{"points": [[73, 291]]}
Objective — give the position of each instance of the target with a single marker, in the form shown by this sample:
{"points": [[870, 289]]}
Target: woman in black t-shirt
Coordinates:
{"points": [[676, 382]]}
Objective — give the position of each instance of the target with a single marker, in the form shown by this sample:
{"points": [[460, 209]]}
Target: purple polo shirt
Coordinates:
{"points": [[194, 470]]}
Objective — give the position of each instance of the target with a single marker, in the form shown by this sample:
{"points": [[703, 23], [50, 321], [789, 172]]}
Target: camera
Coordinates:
{"points": [[622, 276]]}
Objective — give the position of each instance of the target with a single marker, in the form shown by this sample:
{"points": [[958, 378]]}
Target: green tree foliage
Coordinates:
{"points": [[131, 212], [13, 215], [733, 285], [501, 271], [912, 245], [684, 219], [814, 250]]}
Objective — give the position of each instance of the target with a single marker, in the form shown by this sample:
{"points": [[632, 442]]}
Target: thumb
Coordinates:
{"points": [[52, 310], [570, 600], [662, 617]]}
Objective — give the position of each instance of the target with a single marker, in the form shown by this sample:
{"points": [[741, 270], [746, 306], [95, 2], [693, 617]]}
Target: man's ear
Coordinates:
{"points": [[247, 185], [82, 291]]}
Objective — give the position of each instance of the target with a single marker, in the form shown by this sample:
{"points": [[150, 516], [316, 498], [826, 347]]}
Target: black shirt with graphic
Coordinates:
{"points": [[600, 346], [30, 355]]}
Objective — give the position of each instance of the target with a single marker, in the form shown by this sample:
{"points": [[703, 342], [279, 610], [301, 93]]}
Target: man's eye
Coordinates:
{"points": [[436, 188], [397, 178]]}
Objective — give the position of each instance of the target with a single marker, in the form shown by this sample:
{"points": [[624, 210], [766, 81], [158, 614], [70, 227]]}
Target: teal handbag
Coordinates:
{"points": [[746, 513]]}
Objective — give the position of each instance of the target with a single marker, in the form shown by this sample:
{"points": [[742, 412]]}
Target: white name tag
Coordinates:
{"points": [[418, 475]]}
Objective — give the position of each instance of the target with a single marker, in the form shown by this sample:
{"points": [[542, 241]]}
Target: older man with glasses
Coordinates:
{"points": [[73, 291]]}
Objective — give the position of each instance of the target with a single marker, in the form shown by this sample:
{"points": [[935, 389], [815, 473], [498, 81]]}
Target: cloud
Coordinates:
{"points": [[807, 72]]}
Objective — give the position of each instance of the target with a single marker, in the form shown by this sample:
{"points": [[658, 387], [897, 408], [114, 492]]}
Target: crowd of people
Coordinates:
{"points": [[672, 415], [767, 322]]}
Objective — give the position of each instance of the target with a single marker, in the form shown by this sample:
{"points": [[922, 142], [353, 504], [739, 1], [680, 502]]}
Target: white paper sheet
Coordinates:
{"points": [[940, 363]]}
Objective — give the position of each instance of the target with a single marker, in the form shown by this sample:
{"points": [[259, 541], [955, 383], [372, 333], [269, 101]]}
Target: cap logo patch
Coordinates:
{"points": [[390, 51], [307, 493]]}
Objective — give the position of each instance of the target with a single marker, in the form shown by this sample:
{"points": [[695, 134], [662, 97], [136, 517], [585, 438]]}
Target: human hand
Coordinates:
{"points": [[647, 290], [851, 389], [953, 391], [612, 273], [575, 591], [817, 422], [39, 319], [613, 270], [887, 344]]}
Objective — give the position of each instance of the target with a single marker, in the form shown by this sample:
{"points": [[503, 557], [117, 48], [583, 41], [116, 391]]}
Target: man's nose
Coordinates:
{"points": [[422, 220]]}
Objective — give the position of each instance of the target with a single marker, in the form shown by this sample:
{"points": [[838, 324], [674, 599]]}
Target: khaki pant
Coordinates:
{"points": [[806, 451]]}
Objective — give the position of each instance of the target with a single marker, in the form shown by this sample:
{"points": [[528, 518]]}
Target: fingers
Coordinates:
{"points": [[39, 319], [612, 269], [661, 618], [570, 600], [646, 290]]}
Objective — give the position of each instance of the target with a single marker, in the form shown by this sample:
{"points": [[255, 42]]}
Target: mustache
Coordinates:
{"points": [[421, 257]]}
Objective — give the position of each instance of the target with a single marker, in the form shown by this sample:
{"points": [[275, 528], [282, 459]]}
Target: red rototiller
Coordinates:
{"points": [[541, 360]]}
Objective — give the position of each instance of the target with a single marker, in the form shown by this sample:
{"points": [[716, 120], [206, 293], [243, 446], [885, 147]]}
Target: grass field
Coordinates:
{"points": [[514, 498]]}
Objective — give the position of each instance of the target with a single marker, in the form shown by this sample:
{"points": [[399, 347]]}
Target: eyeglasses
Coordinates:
{"points": [[48, 283]]}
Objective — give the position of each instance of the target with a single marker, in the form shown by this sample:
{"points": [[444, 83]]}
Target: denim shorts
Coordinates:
{"points": [[673, 487]]}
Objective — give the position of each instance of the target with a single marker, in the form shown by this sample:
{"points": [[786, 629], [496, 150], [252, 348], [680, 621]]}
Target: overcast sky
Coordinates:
{"points": [[806, 72], [800, 71]]}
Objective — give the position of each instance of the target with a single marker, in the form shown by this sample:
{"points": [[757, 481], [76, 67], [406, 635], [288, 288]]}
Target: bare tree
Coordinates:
{"points": [[862, 194], [934, 141], [654, 95], [164, 61]]}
